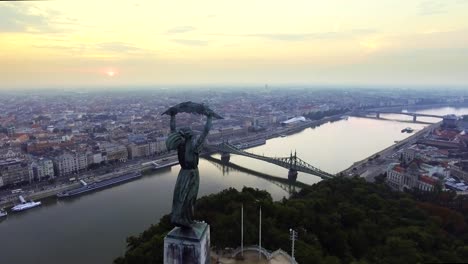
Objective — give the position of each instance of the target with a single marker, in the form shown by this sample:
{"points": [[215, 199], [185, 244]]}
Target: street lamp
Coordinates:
{"points": [[293, 237]]}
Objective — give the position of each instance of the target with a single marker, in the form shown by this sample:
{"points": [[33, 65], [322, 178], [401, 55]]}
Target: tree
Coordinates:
{"points": [[341, 220]]}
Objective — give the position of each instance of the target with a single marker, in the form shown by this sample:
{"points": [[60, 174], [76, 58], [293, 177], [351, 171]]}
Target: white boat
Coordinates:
{"points": [[3, 213], [24, 205]]}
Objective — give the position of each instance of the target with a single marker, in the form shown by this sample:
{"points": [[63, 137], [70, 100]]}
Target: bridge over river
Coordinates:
{"points": [[293, 163], [377, 114], [285, 184]]}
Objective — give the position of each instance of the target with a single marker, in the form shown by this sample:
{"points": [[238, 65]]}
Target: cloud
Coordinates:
{"points": [[103, 48], [432, 7], [180, 29], [17, 18], [72, 49], [435, 7], [304, 36], [190, 42], [117, 47]]}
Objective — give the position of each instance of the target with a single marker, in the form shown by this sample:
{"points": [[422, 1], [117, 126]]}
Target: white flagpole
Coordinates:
{"points": [[242, 231], [260, 234]]}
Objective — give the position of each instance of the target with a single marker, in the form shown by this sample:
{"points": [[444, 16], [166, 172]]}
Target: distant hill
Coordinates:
{"points": [[339, 221]]}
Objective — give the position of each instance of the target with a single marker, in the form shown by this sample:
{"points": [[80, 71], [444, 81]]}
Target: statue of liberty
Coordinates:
{"points": [[188, 147]]}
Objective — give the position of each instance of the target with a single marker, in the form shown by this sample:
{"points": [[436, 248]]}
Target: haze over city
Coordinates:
{"points": [[112, 43]]}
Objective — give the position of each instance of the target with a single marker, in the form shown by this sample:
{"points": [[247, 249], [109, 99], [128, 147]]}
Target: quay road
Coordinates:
{"points": [[380, 160]]}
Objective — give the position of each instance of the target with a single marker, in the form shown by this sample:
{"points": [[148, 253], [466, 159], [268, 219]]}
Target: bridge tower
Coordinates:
{"points": [[292, 174], [377, 115], [414, 118], [225, 156]]}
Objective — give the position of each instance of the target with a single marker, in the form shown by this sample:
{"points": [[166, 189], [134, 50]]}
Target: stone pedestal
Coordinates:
{"points": [[188, 245]]}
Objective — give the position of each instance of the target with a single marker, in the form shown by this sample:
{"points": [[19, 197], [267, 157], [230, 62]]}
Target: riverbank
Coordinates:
{"points": [[364, 166], [53, 191]]}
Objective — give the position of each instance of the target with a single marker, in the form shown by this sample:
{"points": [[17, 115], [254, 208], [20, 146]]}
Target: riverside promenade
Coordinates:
{"points": [[369, 168]]}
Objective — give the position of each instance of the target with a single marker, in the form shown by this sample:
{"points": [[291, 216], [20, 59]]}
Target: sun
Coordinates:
{"points": [[110, 73]]}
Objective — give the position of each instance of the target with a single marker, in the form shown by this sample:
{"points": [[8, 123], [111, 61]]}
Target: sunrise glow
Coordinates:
{"points": [[224, 41]]}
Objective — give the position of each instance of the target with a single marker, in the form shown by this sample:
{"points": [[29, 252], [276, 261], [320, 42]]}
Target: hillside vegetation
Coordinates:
{"points": [[338, 221]]}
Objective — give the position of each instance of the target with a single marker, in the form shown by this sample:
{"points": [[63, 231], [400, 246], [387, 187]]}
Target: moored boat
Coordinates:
{"points": [[3, 213], [407, 130], [99, 185], [25, 206]]}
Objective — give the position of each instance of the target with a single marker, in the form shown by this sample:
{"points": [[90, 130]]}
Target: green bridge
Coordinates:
{"points": [[293, 163]]}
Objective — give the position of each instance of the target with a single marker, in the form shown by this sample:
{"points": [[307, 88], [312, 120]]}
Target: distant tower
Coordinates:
{"points": [[11, 131]]}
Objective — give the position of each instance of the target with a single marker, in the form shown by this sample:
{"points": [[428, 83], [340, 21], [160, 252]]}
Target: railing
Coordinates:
{"points": [[262, 251], [267, 254], [283, 253]]}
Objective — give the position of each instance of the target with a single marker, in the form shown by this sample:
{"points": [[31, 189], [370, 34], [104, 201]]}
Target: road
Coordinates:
{"points": [[371, 166]]}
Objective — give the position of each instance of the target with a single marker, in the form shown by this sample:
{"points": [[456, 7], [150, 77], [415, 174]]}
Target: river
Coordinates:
{"points": [[93, 228]]}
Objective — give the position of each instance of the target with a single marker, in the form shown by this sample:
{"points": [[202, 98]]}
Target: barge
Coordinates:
{"points": [[100, 185]]}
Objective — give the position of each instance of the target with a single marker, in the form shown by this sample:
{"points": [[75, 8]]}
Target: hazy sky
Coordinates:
{"points": [[113, 42]]}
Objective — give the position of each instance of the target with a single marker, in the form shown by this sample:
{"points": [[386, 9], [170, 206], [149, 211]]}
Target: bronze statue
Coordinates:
{"points": [[188, 148]]}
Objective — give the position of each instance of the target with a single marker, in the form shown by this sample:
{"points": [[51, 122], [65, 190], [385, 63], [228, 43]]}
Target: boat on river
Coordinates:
{"points": [[24, 205], [3, 213], [407, 130], [99, 185]]}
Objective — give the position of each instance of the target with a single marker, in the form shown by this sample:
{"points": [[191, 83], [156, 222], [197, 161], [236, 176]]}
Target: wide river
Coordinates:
{"points": [[93, 228]]}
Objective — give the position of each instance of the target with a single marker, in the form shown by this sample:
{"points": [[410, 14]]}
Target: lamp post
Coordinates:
{"points": [[293, 237]]}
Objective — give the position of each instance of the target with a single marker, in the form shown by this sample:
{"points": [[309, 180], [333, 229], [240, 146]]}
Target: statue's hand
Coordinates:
{"points": [[171, 111]]}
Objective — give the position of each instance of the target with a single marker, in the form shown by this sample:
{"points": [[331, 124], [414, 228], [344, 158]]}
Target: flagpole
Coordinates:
{"points": [[242, 230], [260, 234]]}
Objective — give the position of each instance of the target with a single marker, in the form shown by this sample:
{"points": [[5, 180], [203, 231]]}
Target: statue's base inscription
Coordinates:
{"points": [[188, 245]]}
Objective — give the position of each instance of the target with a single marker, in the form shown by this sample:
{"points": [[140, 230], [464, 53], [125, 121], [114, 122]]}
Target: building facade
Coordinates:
{"points": [[410, 177], [115, 152], [13, 171], [69, 162], [42, 168], [138, 150]]}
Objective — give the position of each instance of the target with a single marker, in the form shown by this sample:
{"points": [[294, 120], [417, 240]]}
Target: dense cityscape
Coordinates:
{"points": [[233, 132], [53, 138]]}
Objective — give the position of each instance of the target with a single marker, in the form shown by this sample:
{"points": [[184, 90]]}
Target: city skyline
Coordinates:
{"points": [[119, 43]]}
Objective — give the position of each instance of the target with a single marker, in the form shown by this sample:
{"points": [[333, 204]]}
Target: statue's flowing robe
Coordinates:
{"points": [[185, 195], [186, 190], [188, 180]]}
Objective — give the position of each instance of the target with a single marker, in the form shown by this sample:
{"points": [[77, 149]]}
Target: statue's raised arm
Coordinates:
{"points": [[199, 142]]}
